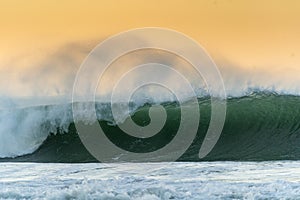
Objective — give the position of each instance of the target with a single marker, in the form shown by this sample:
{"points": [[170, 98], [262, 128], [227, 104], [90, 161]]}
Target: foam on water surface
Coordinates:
{"points": [[206, 180]]}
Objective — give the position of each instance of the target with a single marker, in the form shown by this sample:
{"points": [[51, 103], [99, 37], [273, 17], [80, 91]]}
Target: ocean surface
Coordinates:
{"points": [[177, 180], [256, 157]]}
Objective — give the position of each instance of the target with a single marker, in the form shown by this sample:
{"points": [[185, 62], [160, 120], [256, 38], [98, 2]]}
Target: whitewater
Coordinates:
{"points": [[205, 180]]}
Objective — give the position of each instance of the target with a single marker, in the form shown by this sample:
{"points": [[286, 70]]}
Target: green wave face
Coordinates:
{"points": [[258, 127]]}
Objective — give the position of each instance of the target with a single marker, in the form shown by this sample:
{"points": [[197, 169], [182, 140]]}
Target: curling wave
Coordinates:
{"points": [[259, 126]]}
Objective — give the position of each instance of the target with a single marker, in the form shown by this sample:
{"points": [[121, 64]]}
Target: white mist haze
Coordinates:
{"points": [[49, 76]]}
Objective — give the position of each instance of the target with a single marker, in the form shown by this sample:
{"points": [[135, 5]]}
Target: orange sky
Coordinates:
{"points": [[260, 33]]}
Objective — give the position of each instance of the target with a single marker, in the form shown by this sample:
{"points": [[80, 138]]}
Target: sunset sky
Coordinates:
{"points": [[258, 34], [250, 33]]}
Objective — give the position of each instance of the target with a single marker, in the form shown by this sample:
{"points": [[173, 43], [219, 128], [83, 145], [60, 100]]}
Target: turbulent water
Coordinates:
{"points": [[256, 157], [197, 180], [258, 127]]}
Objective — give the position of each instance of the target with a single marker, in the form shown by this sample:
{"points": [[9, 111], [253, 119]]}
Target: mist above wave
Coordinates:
{"points": [[48, 78]]}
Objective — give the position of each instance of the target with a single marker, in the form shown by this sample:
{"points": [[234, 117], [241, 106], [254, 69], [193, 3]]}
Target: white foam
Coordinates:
{"points": [[215, 180], [22, 131]]}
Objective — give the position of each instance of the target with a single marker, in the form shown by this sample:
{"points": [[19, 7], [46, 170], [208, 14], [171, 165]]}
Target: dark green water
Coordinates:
{"points": [[257, 128]]}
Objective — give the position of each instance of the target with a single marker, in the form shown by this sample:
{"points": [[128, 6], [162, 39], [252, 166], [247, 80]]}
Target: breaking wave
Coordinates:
{"points": [[258, 126]]}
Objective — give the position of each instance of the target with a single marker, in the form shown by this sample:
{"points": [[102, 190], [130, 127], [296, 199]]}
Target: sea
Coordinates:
{"points": [[256, 157]]}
